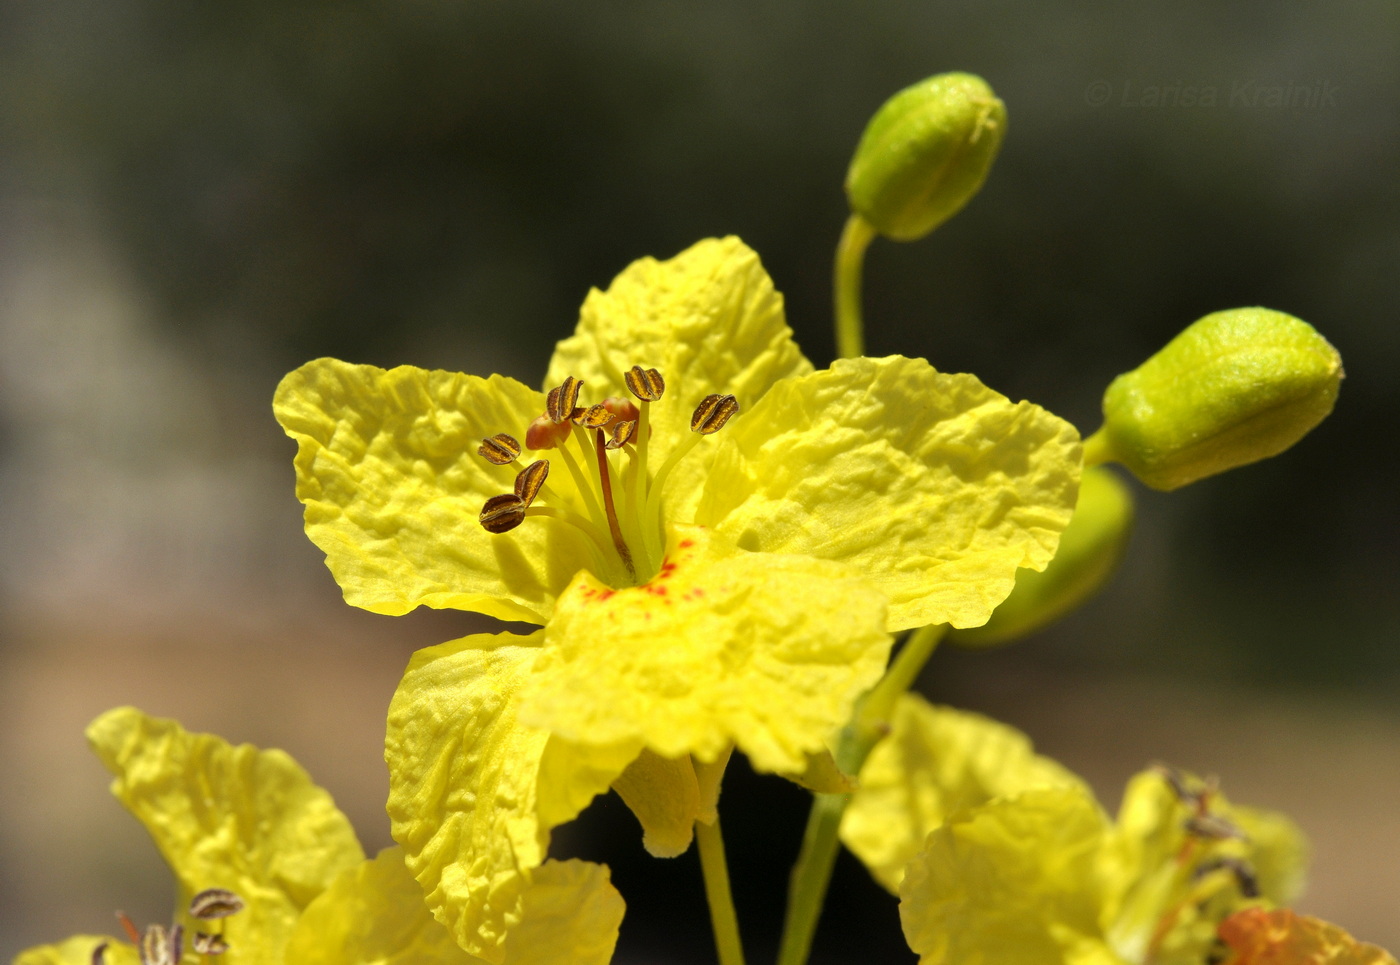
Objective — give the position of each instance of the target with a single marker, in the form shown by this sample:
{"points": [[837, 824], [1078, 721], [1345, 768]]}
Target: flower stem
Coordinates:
{"points": [[716, 871], [850, 262], [1097, 450], [812, 872]]}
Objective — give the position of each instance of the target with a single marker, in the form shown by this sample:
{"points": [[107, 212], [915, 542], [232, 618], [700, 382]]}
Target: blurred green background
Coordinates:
{"points": [[195, 198]]}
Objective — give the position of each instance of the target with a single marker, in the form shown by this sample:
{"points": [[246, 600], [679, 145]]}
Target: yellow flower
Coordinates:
{"points": [[695, 593], [268, 869], [1041, 876]]}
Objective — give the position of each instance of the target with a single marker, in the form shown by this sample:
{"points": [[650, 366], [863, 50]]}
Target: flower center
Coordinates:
{"points": [[1201, 872], [159, 945], [604, 448]]}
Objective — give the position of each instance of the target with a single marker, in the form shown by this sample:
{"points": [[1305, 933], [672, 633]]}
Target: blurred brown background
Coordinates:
{"points": [[195, 198]]}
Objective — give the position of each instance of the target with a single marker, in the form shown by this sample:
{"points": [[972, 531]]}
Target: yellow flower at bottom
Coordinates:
{"points": [[252, 823], [1042, 877]]}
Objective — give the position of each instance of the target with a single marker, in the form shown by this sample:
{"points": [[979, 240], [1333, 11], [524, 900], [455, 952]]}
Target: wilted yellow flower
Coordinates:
{"points": [[695, 594], [269, 870]]}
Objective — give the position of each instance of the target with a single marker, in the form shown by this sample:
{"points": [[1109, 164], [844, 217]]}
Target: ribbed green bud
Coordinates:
{"points": [[1233, 388], [1090, 550], [924, 154]]}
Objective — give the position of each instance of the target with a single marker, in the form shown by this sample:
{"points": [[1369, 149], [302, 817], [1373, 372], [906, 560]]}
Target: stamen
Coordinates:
{"points": [[712, 413], [129, 928], [155, 947], [1214, 827], [1244, 875], [645, 384], [99, 954], [499, 450], [214, 903], [618, 541], [530, 479], [561, 401], [207, 944], [503, 513], [595, 417], [620, 434]]}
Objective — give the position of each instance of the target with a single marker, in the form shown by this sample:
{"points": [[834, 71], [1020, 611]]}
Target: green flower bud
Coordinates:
{"points": [[1090, 550], [924, 154], [1233, 388]]}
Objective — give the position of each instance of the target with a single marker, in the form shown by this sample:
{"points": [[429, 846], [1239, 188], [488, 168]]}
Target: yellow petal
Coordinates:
{"points": [[387, 466], [935, 761], [1259, 937], [723, 647], [229, 817], [663, 794], [935, 487], [1009, 883], [823, 776], [374, 914], [473, 792], [78, 951], [708, 319]]}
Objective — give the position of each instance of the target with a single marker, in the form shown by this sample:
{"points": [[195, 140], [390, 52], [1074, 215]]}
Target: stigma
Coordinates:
{"points": [[616, 497]]}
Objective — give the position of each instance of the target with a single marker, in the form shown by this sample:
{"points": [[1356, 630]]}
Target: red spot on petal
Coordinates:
{"points": [[686, 544], [605, 595]]}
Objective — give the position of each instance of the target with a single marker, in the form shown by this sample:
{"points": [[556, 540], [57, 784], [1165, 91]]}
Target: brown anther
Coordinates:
{"points": [[99, 954], [712, 413], [562, 399], [503, 513], [623, 410], [645, 384], [499, 450], [620, 434], [214, 903], [530, 479], [595, 416], [545, 433], [207, 944], [156, 946], [1213, 827], [1245, 878]]}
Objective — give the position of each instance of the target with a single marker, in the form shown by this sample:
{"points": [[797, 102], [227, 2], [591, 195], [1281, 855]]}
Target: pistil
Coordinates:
{"points": [[618, 541]]}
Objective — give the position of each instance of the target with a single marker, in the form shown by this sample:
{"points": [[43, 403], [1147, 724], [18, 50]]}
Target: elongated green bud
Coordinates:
{"points": [[924, 154], [1233, 388], [1090, 550]]}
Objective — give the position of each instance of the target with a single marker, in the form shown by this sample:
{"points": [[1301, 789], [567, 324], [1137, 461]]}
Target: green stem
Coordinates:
{"points": [[850, 261], [812, 872], [1097, 449], [716, 871], [810, 877]]}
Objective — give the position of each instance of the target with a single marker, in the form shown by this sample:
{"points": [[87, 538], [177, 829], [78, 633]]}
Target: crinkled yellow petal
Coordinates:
{"points": [[935, 487], [387, 466], [374, 914], [473, 792], [763, 651], [708, 320], [935, 761], [78, 951], [1145, 875], [664, 795], [1009, 883], [1259, 937], [228, 817]]}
